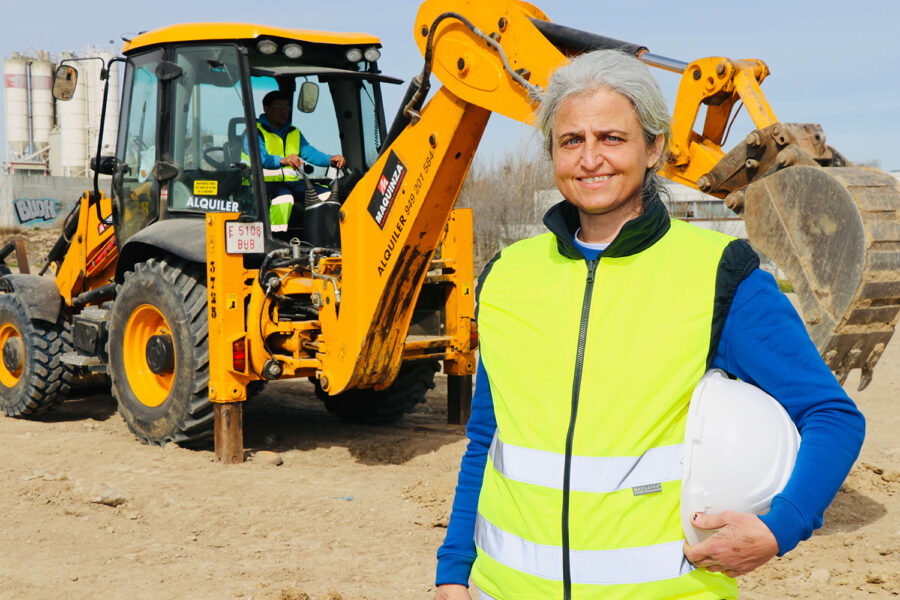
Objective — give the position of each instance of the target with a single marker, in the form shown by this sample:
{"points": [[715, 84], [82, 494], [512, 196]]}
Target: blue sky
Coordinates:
{"points": [[833, 63]]}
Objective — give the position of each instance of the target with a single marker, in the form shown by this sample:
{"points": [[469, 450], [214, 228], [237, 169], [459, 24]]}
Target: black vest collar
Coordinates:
{"points": [[635, 236]]}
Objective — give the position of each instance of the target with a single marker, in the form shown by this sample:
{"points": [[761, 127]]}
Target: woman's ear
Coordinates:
{"points": [[655, 151]]}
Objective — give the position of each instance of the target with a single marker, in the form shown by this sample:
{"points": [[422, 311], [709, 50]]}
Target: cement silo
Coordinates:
{"points": [[15, 70], [73, 131], [90, 77], [41, 103]]}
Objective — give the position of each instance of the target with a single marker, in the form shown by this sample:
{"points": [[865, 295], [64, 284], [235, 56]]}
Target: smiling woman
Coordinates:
{"points": [[570, 486], [600, 159], [605, 126]]}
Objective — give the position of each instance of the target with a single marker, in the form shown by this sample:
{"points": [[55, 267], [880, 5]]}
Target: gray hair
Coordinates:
{"points": [[619, 72]]}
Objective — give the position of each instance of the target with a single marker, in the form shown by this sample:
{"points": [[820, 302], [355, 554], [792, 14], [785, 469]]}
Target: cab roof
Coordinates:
{"points": [[194, 32]]}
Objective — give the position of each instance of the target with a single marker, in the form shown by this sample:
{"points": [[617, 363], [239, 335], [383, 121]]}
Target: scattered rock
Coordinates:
{"points": [[111, 497], [293, 594], [268, 457], [45, 475], [874, 468], [820, 577], [874, 578], [102, 493], [891, 475]]}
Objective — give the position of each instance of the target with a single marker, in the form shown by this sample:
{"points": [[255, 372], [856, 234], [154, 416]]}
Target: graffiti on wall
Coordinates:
{"points": [[36, 210]]}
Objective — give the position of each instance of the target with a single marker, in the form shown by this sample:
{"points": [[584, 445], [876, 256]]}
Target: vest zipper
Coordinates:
{"points": [[570, 435]]}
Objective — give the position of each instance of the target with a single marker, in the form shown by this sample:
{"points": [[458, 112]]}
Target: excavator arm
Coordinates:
{"points": [[490, 58], [833, 228]]}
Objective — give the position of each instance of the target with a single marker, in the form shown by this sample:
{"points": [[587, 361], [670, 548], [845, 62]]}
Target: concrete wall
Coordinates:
{"points": [[34, 201]]}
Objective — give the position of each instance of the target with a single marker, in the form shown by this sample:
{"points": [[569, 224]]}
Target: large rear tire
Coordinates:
{"points": [[33, 380], [162, 394], [385, 406]]}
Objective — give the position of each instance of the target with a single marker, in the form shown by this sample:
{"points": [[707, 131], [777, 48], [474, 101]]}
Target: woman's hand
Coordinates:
{"points": [[452, 591], [741, 544]]}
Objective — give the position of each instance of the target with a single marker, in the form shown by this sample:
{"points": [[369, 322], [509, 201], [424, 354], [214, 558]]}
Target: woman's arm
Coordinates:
{"points": [[765, 343], [456, 555]]}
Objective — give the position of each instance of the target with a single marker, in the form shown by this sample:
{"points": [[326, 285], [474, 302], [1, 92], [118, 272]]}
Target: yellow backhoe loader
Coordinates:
{"points": [[177, 288]]}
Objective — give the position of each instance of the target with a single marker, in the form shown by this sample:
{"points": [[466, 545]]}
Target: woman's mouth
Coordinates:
{"points": [[595, 179]]}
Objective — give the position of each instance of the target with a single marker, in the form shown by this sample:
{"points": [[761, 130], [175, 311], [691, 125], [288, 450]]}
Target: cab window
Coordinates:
{"points": [[319, 128], [208, 127]]}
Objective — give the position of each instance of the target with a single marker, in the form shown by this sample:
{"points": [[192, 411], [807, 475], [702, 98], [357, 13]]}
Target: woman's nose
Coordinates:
{"points": [[591, 155]]}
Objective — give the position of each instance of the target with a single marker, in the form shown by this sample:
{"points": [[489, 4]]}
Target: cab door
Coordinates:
{"points": [[207, 131], [134, 188]]}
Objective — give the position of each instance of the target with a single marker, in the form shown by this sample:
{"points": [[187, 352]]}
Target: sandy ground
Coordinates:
{"points": [[354, 512]]}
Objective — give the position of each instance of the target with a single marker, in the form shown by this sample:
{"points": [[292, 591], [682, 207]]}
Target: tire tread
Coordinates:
{"points": [[195, 426], [47, 377]]}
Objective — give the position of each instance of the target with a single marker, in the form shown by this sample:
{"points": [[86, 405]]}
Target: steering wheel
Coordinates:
{"points": [[214, 162]]}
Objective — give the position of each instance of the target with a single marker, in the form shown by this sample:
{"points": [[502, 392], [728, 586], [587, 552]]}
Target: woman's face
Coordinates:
{"points": [[600, 157]]}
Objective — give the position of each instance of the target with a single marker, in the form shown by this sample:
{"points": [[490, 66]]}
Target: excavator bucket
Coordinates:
{"points": [[835, 232]]}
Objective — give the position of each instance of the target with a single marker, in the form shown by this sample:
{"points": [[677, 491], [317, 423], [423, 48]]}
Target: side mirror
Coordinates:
{"points": [[64, 81], [309, 97]]}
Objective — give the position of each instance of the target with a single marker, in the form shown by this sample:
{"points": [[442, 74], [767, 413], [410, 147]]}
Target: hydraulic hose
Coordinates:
{"points": [[411, 108]]}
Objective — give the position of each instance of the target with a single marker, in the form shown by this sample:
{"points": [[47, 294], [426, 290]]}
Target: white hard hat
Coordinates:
{"points": [[739, 450]]}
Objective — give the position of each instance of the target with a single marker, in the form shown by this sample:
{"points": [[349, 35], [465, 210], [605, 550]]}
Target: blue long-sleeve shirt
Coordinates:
{"points": [[307, 152], [764, 342]]}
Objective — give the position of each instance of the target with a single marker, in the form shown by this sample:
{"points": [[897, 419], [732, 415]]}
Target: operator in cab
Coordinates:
{"points": [[282, 145]]}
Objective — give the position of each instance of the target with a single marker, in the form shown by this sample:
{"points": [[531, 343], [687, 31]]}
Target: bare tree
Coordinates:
{"points": [[502, 195]]}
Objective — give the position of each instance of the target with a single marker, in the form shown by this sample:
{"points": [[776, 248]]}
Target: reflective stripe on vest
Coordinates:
{"points": [[589, 473], [646, 341], [276, 146], [596, 567]]}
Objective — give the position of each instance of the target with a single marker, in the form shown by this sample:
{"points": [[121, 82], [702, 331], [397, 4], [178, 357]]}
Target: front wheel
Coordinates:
{"points": [[385, 406], [33, 379], [158, 353]]}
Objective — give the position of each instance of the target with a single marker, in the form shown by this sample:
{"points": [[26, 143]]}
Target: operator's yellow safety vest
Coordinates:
{"points": [[277, 146], [591, 379]]}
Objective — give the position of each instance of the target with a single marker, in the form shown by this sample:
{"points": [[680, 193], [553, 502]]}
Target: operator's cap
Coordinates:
{"points": [[740, 446]]}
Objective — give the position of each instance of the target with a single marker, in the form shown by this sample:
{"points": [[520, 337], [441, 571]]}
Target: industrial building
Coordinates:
{"points": [[49, 144]]}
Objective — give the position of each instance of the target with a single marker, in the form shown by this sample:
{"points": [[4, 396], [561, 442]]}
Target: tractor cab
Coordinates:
{"points": [[188, 141]]}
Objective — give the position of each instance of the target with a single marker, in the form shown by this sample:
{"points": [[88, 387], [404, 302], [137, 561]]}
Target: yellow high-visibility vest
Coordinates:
{"points": [[277, 146], [591, 374]]}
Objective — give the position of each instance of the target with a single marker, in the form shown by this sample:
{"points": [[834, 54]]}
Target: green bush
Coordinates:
{"points": [[785, 286]]}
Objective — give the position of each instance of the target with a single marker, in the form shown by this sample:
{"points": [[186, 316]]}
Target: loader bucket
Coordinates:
{"points": [[835, 232]]}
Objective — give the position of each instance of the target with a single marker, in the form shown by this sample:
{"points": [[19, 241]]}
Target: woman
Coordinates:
{"points": [[593, 337]]}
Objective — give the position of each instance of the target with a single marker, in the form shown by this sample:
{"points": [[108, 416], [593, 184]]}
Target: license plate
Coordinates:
{"points": [[243, 238]]}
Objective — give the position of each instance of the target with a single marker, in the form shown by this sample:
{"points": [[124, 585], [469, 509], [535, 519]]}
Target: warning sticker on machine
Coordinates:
{"points": [[387, 189], [206, 188]]}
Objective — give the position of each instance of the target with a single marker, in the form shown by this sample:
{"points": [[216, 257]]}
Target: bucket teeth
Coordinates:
{"points": [[835, 232]]}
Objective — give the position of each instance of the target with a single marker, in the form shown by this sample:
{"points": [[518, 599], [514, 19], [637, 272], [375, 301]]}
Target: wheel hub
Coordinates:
{"points": [[13, 352], [160, 354]]}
